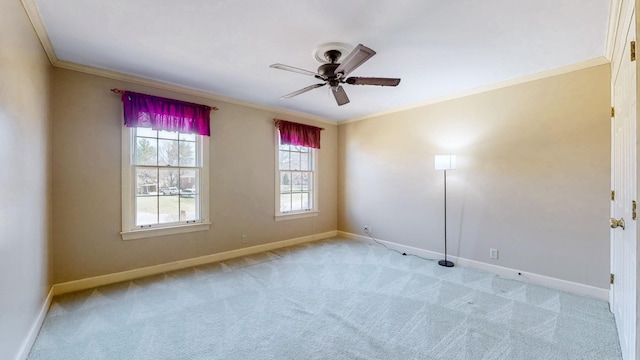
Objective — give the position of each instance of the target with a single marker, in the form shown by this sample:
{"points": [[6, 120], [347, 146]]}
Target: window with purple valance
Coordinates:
{"points": [[298, 134], [159, 113]]}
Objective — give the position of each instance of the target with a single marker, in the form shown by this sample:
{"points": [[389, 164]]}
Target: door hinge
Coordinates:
{"points": [[613, 112], [613, 195], [611, 278], [633, 51], [634, 207]]}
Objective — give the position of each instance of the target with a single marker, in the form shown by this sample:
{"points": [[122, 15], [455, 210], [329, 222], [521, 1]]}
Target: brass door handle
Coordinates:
{"points": [[616, 223]]}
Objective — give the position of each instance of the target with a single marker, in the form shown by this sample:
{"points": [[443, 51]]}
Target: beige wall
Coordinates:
{"points": [[86, 182], [532, 178], [24, 203]]}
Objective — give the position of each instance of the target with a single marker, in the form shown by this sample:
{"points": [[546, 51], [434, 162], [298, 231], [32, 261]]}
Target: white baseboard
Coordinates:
{"points": [[88, 283], [508, 273], [61, 288], [27, 343]]}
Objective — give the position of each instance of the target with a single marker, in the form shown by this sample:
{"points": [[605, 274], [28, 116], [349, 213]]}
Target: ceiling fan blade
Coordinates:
{"points": [[355, 58], [373, 81], [293, 69], [311, 87], [340, 95]]}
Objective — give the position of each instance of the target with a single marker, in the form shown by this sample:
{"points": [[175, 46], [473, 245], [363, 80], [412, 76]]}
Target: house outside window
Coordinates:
{"points": [[296, 181], [164, 182]]}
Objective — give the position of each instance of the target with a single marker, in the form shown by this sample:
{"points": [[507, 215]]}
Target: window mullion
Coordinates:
{"points": [[298, 169], [146, 212]]}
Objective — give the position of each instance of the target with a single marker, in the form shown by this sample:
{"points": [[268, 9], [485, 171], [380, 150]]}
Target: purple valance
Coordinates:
{"points": [[159, 113], [298, 134]]}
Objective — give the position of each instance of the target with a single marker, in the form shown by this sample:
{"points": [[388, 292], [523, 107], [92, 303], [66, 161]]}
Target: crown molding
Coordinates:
{"points": [[36, 21], [495, 86], [114, 75]]}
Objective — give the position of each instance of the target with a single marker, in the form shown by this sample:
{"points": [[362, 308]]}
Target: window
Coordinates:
{"points": [[296, 181], [164, 182]]}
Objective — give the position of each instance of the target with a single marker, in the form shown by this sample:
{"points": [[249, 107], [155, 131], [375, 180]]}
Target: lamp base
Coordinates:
{"points": [[446, 263]]}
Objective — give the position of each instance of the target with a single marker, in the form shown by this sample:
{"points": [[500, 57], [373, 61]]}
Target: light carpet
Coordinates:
{"points": [[330, 299]]}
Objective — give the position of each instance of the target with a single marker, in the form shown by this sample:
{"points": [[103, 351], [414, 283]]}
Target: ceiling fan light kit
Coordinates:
{"points": [[335, 74]]}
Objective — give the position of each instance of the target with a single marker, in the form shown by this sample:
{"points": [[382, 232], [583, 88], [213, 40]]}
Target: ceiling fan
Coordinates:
{"points": [[334, 73]]}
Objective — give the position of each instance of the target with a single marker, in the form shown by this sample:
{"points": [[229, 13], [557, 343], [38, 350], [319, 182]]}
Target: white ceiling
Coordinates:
{"points": [[225, 47]]}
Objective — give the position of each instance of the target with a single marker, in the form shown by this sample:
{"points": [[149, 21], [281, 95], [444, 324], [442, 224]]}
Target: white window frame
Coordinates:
{"points": [[129, 229], [291, 215]]}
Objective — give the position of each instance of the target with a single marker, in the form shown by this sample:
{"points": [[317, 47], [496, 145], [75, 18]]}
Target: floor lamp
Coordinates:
{"points": [[445, 162]]}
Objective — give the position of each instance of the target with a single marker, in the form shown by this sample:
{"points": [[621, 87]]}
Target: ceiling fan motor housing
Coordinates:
{"points": [[332, 56], [327, 70]]}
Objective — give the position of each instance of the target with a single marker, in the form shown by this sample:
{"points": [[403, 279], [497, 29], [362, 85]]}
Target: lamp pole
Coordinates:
{"points": [[449, 164]]}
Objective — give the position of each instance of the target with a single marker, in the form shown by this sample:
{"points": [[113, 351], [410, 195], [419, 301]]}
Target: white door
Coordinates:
{"points": [[623, 174]]}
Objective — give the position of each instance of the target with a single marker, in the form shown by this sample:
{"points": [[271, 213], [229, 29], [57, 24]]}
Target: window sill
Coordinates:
{"points": [[293, 216], [170, 230]]}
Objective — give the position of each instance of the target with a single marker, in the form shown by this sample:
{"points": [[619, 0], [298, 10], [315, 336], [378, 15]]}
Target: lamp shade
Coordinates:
{"points": [[445, 162]]}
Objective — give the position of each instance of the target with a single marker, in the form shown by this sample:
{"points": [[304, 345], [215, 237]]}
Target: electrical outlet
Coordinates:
{"points": [[244, 239], [493, 253], [367, 228]]}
